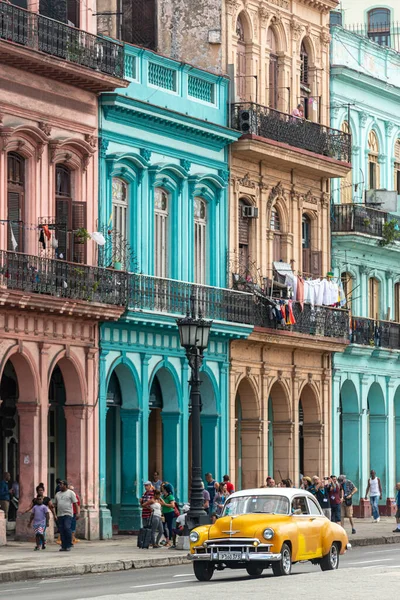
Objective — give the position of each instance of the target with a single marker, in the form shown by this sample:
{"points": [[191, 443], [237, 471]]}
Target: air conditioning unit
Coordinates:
{"points": [[247, 121], [251, 212]]}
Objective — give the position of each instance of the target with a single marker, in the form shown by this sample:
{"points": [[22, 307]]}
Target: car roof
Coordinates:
{"points": [[286, 492]]}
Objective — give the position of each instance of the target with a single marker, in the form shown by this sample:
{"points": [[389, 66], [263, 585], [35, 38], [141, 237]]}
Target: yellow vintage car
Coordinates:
{"points": [[268, 527]]}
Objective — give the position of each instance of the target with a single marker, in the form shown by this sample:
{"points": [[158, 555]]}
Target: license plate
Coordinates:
{"points": [[229, 555]]}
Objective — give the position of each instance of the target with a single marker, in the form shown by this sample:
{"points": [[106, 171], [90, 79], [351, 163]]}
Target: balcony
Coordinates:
{"points": [[27, 280], [56, 50], [376, 334], [321, 321], [358, 218], [173, 297], [291, 140]]}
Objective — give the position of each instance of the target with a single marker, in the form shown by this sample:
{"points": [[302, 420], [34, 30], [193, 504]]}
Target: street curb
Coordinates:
{"points": [[142, 563], [86, 569]]}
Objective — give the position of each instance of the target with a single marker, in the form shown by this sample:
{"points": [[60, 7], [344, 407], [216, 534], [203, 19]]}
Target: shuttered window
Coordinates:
{"points": [[304, 65], [373, 298], [54, 9], [161, 202], [139, 22], [244, 236], [120, 216], [70, 217], [397, 302], [200, 241], [373, 164], [15, 201]]}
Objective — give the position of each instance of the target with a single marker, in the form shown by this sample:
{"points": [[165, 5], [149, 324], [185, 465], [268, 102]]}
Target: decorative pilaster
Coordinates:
{"points": [[130, 515]]}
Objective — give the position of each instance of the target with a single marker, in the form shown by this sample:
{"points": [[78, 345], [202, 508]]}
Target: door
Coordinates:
{"points": [[241, 71], [309, 530]]}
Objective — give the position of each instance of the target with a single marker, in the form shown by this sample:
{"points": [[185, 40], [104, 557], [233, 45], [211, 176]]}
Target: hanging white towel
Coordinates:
{"points": [[13, 240]]}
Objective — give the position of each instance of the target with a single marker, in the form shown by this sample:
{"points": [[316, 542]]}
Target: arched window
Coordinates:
{"points": [[120, 220], [304, 66], [275, 226], [373, 164], [311, 256], [15, 201], [379, 26], [200, 241], [373, 298], [244, 237], [305, 80], [347, 282], [346, 185], [240, 60], [161, 232], [397, 302], [70, 218], [273, 69], [397, 166]]}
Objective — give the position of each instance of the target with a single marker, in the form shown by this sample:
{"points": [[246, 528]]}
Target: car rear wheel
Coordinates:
{"points": [[284, 565], [203, 571], [254, 570], [330, 561]]}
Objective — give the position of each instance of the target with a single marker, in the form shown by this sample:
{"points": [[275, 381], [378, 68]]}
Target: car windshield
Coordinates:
{"points": [[243, 505]]}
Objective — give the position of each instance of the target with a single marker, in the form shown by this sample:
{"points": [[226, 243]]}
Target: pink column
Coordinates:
{"points": [[28, 463]]}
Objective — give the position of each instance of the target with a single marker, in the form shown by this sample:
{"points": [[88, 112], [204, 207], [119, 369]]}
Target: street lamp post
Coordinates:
{"points": [[194, 334]]}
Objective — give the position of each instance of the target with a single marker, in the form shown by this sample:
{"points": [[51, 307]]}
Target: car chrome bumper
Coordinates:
{"points": [[348, 547], [246, 557]]}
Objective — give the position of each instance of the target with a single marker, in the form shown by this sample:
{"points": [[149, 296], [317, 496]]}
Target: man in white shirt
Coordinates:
{"points": [[65, 502], [374, 488]]}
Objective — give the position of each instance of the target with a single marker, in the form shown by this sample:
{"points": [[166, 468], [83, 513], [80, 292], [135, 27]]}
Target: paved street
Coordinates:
{"points": [[363, 571]]}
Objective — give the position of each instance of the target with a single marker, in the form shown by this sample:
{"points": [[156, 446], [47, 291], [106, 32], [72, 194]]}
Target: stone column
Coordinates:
{"points": [[390, 460], [183, 468], [171, 449], [224, 434], [105, 518], [313, 458], [129, 519], [29, 435], [143, 472], [283, 442], [364, 437], [335, 415], [211, 449]]}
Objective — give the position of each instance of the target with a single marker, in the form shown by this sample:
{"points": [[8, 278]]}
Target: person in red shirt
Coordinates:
{"points": [[229, 486]]}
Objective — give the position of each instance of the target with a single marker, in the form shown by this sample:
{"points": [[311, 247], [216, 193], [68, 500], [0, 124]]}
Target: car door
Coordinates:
{"points": [[316, 525], [302, 519]]}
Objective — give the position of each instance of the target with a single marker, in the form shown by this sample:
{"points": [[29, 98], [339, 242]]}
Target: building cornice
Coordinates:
{"points": [[323, 6], [364, 81]]}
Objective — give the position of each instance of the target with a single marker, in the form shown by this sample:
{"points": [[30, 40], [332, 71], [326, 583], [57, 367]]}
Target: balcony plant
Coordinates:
{"points": [[390, 233]]}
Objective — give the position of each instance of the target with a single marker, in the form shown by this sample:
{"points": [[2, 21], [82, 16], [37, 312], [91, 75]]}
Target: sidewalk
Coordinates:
{"points": [[19, 562]]}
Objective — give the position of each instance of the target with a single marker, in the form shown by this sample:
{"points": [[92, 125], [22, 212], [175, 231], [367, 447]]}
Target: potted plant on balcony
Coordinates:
{"points": [[390, 233]]}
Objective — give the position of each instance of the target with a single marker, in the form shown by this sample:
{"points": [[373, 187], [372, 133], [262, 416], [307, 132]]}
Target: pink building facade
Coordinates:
{"points": [[51, 298]]}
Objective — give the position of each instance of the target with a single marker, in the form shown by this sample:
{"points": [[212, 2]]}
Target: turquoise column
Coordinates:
{"points": [[224, 416], [364, 436], [171, 450], [210, 446], [104, 514], [397, 446], [377, 447], [336, 382], [130, 514], [143, 472], [390, 458], [270, 438], [184, 433]]}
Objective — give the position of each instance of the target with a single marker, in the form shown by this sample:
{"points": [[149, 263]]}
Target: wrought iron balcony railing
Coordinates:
{"points": [[378, 334], [72, 281], [60, 40], [358, 218], [312, 320], [251, 118], [176, 297]]}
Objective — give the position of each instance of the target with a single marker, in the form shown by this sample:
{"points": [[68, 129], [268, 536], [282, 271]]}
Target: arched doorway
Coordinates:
{"points": [[397, 432], [211, 447], [248, 437], [9, 433], [113, 452], [310, 433], [349, 432], [155, 429], [56, 431], [377, 432], [279, 434]]}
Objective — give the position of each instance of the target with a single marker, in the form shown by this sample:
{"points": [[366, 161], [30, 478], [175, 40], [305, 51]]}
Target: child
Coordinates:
{"points": [[40, 518], [397, 530], [156, 523]]}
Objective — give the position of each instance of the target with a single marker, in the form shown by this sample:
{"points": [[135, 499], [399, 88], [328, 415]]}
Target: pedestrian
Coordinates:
{"points": [[180, 524], [219, 501], [287, 483], [397, 530], [298, 112], [321, 493], [40, 518], [374, 488], [206, 499], [168, 510], [306, 483], [210, 487], [270, 482], [73, 523], [334, 495], [348, 489], [145, 502], [5, 494], [229, 486], [156, 483], [156, 520], [65, 501]]}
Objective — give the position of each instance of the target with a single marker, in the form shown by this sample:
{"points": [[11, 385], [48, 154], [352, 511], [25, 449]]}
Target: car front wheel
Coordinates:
{"points": [[284, 565], [330, 561], [203, 571], [254, 570]]}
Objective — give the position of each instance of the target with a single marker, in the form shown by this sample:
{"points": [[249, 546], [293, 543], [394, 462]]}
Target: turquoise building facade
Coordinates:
{"points": [[365, 96], [164, 213]]}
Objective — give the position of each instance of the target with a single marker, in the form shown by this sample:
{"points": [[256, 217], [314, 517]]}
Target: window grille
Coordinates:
{"points": [[162, 76], [201, 89], [130, 66]]}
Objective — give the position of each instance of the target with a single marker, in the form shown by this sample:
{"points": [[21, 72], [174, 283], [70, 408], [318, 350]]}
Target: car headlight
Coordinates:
{"points": [[194, 536], [268, 533]]}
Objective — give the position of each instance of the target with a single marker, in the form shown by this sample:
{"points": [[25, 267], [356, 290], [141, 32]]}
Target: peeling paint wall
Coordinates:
{"points": [[191, 30]]}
